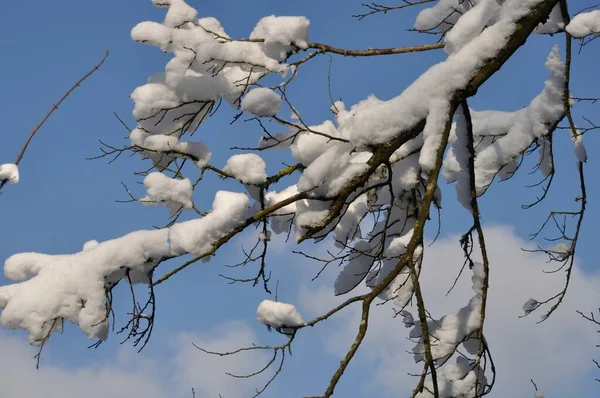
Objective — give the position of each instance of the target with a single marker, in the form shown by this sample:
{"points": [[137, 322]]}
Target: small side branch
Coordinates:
{"points": [[375, 8], [481, 238], [52, 109]]}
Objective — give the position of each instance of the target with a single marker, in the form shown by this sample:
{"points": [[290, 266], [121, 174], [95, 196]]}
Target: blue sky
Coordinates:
{"points": [[64, 200]]}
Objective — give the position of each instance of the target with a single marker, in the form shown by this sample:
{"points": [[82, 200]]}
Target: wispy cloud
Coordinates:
{"points": [[556, 353], [135, 375]]}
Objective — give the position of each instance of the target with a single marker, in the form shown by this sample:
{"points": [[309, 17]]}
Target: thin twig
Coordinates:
{"points": [[52, 109]]}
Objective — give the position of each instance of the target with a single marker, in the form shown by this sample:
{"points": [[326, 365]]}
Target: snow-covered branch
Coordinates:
{"points": [[375, 158]]}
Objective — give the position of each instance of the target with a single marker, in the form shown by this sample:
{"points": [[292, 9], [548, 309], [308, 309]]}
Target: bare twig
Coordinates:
{"points": [[52, 109], [375, 8]]}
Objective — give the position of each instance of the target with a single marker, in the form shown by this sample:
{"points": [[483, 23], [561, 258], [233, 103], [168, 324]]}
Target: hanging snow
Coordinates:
{"points": [[261, 102]]}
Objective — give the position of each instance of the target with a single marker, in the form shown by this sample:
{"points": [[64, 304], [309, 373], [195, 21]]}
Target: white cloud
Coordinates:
{"points": [[207, 373], [557, 353], [135, 375], [19, 378]]}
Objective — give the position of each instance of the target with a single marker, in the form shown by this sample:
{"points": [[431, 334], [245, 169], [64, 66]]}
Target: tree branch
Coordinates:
{"points": [[52, 109]]}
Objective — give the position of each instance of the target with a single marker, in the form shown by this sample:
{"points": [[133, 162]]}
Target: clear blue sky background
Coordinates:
{"points": [[64, 200]]}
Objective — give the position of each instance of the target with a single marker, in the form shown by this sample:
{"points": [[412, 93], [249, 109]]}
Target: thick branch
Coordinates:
{"points": [[381, 153], [375, 51], [477, 226]]}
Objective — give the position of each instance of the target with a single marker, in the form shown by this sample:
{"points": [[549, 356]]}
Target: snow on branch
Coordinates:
{"points": [[9, 172], [377, 159], [504, 136], [277, 315], [73, 287], [585, 24]]}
